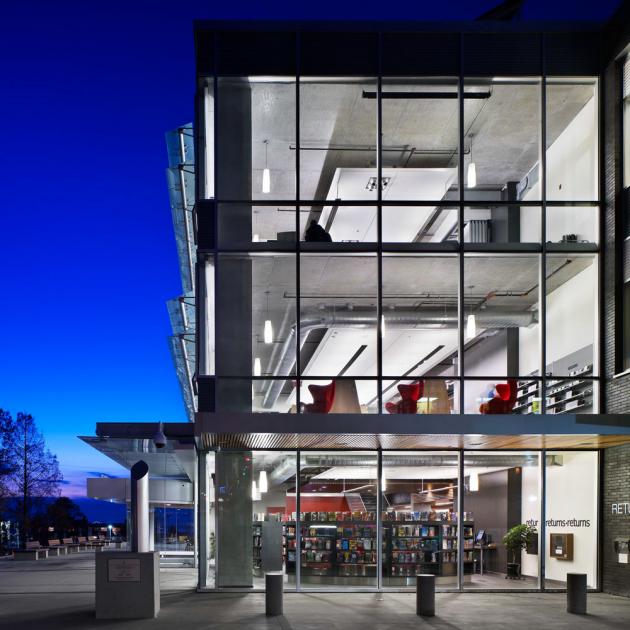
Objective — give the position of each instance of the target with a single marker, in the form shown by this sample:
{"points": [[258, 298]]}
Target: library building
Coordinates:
{"points": [[403, 248]]}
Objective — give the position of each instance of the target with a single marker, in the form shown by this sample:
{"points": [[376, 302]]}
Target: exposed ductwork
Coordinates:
{"points": [[402, 319]]}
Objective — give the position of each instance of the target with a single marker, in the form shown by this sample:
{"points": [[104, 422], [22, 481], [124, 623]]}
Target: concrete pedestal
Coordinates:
{"points": [[127, 585], [576, 593], [425, 595]]}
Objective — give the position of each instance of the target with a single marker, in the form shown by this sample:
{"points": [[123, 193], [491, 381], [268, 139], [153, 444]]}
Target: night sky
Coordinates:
{"points": [[87, 252]]}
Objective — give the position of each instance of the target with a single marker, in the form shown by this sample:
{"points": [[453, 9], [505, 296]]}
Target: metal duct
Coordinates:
{"points": [[470, 459], [404, 319]]}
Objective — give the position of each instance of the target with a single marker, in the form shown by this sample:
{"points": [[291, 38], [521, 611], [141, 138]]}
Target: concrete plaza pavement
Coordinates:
{"points": [[58, 593]]}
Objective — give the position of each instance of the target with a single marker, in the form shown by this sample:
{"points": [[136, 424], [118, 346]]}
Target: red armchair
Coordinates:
{"points": [[409, 396], [323, 397], [504, 400]]}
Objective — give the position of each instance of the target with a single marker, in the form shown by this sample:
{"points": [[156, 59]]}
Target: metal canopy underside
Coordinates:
{"points": [[348, 431], [127, 443]]}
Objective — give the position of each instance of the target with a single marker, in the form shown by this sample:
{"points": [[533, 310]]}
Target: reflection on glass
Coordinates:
{"points": [[338, 119], [572, 140], [571, 512], [502, 139], [502, 491], [338, 514], [419, 497], [572, 315]]}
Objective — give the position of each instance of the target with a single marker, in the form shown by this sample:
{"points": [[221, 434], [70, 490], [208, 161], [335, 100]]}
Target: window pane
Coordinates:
{"points": [[573, 395], [572, 225], [419, 497], [502, 224], [256, 138], [338, 298], [338, 514], [208, 140], [243, 225], [419, 328], [420, 156], [572, 314], [571, 513], [337, 223], [255, 316], [338, 119], [501, 315], [502, 492], [572, 163], [502, 139], [338, 395]]}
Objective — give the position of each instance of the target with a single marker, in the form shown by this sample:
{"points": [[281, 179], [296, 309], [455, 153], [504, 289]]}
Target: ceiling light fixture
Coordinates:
{"points": [[383, 482], [473, 482], [472, 169], [266, 178], [268, 328], [255, 493], [471, 322], [257, 367], [262, 481]]}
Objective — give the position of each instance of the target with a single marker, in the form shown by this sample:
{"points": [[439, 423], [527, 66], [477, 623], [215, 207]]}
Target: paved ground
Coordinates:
{"points": [[59, 594]]}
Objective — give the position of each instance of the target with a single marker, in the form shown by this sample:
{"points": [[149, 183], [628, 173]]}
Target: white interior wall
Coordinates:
{"points": [[571, 315], [571, 176], [572, 491], [488, 358], [530, 512]]}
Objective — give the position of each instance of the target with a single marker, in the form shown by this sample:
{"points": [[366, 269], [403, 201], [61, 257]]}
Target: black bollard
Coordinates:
{"points": [[576, 593], [273, 593], [425, 595]]}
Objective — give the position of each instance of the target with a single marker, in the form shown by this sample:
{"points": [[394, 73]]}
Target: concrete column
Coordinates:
{"points": [[234, 519], [140, 507], [425, 595]]}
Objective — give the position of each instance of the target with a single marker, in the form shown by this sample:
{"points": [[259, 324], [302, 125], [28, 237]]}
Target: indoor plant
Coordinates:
{"points": [[515, 540]]}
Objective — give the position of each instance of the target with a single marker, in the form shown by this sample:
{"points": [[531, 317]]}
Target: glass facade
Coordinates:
{"points": [[386, 237], [371, 520]]}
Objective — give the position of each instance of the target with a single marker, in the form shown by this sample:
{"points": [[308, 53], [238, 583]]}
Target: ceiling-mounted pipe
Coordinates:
{"points": [[401, 319]]}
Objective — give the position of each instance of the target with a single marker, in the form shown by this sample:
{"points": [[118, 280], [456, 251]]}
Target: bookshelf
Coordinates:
{"points": [[571, 394]]}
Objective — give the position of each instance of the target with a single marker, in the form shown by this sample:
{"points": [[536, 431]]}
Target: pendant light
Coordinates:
{"points": [[383, 481], [268, 328], [472, 169], [262, 481], [473, 482], [255, 493], [257, 367], [471, 322], [266, 178]]}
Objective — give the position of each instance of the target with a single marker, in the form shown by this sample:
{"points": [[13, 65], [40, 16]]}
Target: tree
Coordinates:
{"points": [[33, 471], [65, 516]]}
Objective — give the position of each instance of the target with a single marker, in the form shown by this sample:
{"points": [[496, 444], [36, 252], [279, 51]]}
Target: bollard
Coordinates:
{"points": [[576, 593], [425, 595], [273, 593]]}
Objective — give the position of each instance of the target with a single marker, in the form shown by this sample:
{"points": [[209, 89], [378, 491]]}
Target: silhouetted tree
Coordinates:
{"points": [[65, 516], [33, 470]]}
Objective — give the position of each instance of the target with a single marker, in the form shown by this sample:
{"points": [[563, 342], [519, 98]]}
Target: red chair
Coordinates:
{"points": [[504, 400], [409, 396], [323, 397]]}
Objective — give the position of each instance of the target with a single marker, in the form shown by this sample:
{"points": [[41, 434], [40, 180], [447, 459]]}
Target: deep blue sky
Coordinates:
{"points": [[87, 256]]}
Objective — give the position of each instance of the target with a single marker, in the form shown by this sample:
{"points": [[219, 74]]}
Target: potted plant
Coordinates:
{"points": [[515, 541]]}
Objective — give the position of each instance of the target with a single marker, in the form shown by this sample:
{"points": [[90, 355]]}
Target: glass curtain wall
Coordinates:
{"points": [[408, 245]]}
